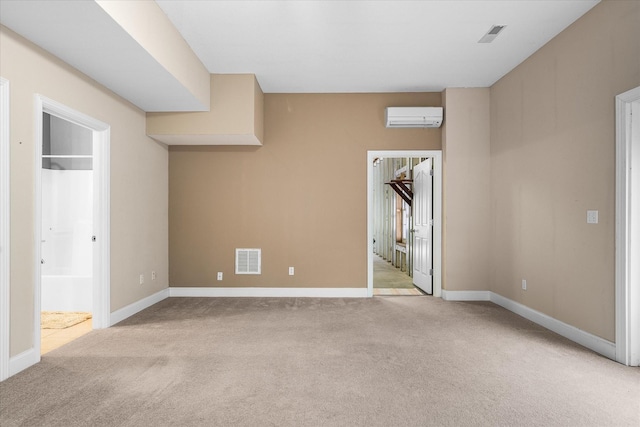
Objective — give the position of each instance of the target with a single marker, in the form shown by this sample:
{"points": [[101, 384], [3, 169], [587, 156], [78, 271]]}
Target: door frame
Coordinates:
{"points": [[101, 167], [436, 155], [5, 230], [627, 263]]}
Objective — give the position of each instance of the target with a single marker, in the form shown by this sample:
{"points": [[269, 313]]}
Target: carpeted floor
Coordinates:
{"points": [[387, 361]]}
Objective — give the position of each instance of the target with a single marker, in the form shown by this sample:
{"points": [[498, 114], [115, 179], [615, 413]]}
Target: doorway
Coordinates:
{"points": [[396, 217], [72, 221], [67, 231], [390, 225]]}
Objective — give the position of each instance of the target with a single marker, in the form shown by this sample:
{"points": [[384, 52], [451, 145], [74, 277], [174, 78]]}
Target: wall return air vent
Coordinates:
{"points": [[413, 117], [248, 261]]}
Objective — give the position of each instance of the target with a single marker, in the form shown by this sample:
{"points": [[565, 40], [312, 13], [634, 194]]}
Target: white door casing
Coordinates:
{"points": [[422, 207], [627, 279], [5, 230]]}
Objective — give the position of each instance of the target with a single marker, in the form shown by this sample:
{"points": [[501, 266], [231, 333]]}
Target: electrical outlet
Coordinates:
{"points": [[291, 271], [153, 275], [219, 275], [592, 217], [524, 285], [141, 279]]}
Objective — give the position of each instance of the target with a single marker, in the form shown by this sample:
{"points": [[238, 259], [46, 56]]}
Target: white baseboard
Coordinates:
{"points": [[131, 309], [590, 341], [595, 343], [23, 360], [465, 295], [269, 292]]}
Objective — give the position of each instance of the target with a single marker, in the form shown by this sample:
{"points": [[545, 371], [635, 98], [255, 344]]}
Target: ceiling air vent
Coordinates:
{"points": [[248, 261], [492, 33]]}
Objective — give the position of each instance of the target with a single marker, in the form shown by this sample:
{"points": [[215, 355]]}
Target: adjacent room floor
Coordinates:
{"points": [[52, 338], [389, 280]]}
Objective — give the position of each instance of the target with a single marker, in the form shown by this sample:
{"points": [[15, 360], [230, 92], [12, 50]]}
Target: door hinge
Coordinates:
{"points": [[431, 272], [430, 222], [431, 172]]}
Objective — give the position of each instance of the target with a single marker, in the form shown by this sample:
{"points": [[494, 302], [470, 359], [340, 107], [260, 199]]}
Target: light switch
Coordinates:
{"points": [[592, 217]]}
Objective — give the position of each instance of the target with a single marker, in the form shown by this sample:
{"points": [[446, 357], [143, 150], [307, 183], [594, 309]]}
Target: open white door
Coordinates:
{"points": [[422, 206]]}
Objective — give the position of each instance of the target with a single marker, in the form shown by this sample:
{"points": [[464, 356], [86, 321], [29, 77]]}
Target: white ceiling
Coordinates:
{"points": [[302, 46], [368, 46]]}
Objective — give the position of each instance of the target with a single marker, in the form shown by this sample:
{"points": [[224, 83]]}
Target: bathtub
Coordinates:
{"points": [[67, 293]]}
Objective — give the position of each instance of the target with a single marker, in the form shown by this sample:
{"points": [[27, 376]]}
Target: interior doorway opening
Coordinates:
{"points": [[72, 218], [391, 224], [67, 231]]}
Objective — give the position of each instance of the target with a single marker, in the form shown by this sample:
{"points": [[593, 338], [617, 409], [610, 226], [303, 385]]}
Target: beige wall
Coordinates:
{"points": [[552, 152], [301, 197], [139, 180], [466, 189]]}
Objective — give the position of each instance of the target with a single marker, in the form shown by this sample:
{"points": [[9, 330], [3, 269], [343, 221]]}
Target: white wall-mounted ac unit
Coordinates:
{"points": [[413, 117]]}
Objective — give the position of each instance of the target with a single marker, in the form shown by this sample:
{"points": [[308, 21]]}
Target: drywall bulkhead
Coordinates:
{"points": [[236, 116]]}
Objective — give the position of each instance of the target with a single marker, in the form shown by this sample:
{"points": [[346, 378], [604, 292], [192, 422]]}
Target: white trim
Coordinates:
{"points": [[23, 360], [102, 187], [466, 295], [270, 292], [590, 341], [436, 155], [138, 306], [102, 269], [593, 342], [37, 228], [5, 230], [627, 288]]}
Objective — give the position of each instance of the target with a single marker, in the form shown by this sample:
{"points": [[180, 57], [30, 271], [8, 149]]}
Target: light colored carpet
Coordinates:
{"points": [[62, 319], [385, 361]]}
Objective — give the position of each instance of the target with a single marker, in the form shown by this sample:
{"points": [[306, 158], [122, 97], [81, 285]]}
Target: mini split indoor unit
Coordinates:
{"points": [[413, 117]]}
